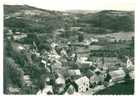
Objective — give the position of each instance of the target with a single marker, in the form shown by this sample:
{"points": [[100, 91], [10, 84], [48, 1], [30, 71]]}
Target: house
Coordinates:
{"points": [[8, 33], [21, 48], [13, 90], [17, 47], [75, 28], [74, 72], [60, 80], [83, 62], [83, 84], [130, 63], [27, 80], [97, 77], [18, 36], [44, 62], [130, 67], [46, 91], [89, 41], [94, 40], [117, 75], [71, 91], [53, 55], [59, 31], [56, 65]]}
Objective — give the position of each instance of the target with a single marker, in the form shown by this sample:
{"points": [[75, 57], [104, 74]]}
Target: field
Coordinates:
{"points": [[117, 36]]}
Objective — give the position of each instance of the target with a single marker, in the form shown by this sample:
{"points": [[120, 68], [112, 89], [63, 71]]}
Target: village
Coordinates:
{"points": [[71, 68], [50, 52]]}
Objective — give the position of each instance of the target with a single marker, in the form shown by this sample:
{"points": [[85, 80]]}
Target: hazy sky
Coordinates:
{"points": [[77, 4]]}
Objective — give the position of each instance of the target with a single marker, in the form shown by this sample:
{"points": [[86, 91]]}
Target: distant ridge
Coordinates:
{"points": [[82, 11]]}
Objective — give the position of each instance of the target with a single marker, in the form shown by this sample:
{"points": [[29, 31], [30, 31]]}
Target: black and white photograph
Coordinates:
{"points": [[68, 47]]}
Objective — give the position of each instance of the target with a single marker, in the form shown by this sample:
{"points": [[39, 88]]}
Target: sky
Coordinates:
{"points": [[62, 5]]}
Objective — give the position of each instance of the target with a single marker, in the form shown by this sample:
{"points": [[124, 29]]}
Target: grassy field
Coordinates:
{"points": [[119, 89], [118, 36]]}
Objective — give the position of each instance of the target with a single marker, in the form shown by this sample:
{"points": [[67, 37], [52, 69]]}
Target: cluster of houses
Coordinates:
{"points": [[15, 35], [99, 77], [76, 75]]}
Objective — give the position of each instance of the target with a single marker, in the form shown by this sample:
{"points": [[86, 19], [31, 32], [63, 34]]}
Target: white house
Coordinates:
{"points": [[21, 48], [83, 62], [117, 75], [94, 39], [130, 64], [19, 35], [83, 84], [44, 62], [130, 67]]}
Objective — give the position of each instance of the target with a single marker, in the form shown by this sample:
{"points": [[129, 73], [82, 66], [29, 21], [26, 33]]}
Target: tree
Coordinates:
{"points": [[80, 37], [13, 74]]}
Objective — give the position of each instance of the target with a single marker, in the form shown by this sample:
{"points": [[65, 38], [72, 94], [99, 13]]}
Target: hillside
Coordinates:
{"points": [[31, 19]]}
